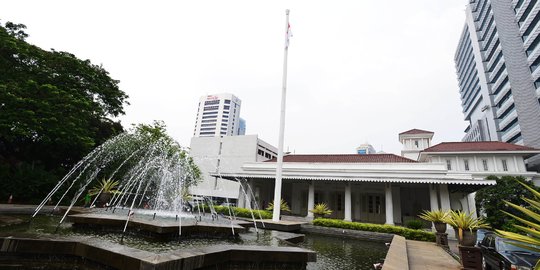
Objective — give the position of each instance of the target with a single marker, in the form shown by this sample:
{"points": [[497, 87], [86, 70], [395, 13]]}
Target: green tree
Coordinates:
{"points": [[491, 200], [54, 108], [158, 132]]}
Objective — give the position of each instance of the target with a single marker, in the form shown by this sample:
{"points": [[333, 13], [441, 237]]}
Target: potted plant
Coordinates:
{"points": [[284, 207], [320, 210], [105, 188], [466, 226], [437, 217]]}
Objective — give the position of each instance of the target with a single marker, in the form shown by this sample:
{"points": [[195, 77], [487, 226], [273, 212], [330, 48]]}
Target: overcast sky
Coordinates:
{"points": [[359, 71]]}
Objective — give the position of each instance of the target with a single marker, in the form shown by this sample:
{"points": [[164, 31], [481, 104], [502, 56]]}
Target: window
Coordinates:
{"points": [[505, 165], [448, 165], [227, 101], [226, 107], [210, 108], [416, 143], [466, 163], [484, 163], [211, 102], [339, 202]]}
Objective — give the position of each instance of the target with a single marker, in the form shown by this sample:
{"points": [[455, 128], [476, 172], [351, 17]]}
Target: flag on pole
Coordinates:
{"points": [[288, 35]]}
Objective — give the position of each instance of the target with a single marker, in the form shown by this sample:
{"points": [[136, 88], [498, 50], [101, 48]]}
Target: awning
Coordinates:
{"points": [[450, 181]]}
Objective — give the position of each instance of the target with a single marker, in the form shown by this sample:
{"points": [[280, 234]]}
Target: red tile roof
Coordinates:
{"points": [[415, 131], [345, 158], [477, 146]]}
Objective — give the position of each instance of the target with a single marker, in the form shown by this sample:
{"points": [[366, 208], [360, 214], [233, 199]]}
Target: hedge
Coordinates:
{"points": [[239, 212], [405, 232]]}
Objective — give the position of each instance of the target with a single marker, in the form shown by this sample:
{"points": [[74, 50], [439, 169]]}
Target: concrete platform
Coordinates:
{"points": [[282, 225], [162, 228]]}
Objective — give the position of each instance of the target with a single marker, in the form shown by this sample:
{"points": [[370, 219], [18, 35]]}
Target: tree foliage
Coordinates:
{"points": [[54, 108], [491, 200], [158, 132]]}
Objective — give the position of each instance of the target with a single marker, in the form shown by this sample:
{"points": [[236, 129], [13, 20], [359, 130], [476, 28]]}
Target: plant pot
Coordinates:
{"points": [[104, 198], [468, 238], [440, 227]]}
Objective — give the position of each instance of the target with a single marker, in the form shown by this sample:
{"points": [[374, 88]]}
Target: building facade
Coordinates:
{"points": [[218, 115], [386, 188], [497, 64], [216, 154]]}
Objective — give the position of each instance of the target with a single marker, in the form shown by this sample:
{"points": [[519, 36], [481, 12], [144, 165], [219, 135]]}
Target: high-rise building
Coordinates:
{"points": [[498, 69], [218, 115], [365, 149], [242, 127]]}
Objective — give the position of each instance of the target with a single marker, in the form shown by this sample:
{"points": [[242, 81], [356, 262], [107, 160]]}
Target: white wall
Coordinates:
{"points": [[235, 150], [514, 162]]}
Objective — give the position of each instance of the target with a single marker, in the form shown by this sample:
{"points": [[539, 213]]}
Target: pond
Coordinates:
{"points": [[332, 252]]}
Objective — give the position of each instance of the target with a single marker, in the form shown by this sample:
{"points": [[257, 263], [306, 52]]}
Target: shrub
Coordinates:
{"points": [[414, 224], [321, 210], [405, 232], [284, 207], [238, 212], [434, 216]]}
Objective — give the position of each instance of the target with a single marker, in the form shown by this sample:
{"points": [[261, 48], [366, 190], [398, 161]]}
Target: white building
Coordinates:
{"points": [[414, 141], [497, 63], [218, 115], [228, 153], [386, 188]]}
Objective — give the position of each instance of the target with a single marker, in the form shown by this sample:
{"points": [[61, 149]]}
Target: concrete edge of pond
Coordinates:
{"points": [[397, 258], [122, 257]]}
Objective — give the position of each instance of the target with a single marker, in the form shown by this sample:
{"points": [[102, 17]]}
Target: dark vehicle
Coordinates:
{"points": [[499, 253], [480, 234]]}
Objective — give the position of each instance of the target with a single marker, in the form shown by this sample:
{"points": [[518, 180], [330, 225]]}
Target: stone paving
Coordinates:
{"points": [[429, 256]]}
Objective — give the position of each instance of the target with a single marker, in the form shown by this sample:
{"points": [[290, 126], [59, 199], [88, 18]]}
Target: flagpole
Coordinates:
{"points": [[279, 166]]}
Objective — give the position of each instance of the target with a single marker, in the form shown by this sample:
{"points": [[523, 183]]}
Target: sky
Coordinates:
{"points": [[358, 71]]}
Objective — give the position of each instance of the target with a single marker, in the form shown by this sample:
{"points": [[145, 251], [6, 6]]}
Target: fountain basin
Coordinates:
{"points": [[73, 252], [159, 227]]}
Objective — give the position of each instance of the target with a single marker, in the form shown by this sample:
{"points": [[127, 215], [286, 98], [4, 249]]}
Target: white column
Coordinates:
{"points": [[348, 204], [471, 198], [445, 197], [396, 198], [248, 199], [241, 197], [445, 200], [434, 203], [389, 204], [311, 198]]}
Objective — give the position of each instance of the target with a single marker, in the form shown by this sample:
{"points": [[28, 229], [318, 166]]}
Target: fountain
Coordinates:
{"points": [[145, 179]]}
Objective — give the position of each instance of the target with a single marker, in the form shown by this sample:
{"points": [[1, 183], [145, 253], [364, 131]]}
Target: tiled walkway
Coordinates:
{"points": [[429, 256]]}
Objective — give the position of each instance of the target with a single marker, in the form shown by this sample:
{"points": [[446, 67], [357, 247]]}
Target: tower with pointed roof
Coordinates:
{"points": [[414, 141]]}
